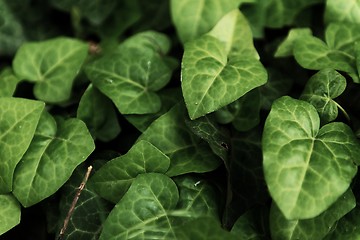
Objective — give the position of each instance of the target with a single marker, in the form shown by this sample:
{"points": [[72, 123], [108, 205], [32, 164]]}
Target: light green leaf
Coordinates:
{"points": [[342, 11], [11, 31], [347, 227], [98, 113], [342, 37], [18, 120], [113, 179], [9, 212], [132, 75], [203, 228], [314, 228], [54, 153], [286, 48], [187, 152], [320, 91], [143, 212], [306, 169], [192, 18], [52, 65], [89, 213], [8, 82], [213, 77]]}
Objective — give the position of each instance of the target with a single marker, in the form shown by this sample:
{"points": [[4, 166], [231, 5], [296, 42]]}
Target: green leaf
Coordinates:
{"points": [[9, 212], [286, 48], [52, 65], [98, 113], [18, 120], [203, 228], [132, 75], [89, 213], [215, 71], [314, 228], [194, 18], [320, 91], [11, 31], [8, 82], [187, 152], [342, 11], [143, 212], [306, 169], [113, 179], [54, 153]]}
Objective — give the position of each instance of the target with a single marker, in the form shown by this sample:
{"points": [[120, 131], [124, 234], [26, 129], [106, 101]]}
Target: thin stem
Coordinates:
{"points": [[343, 111], [73, 204]]}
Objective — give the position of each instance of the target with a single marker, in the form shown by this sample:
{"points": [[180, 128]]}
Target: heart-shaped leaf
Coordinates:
{"points": [[212, 75], [320, 91], [286, 48], [10, 212], [309, 229], [113, 179], [52, 64], [306, 168], [18, 120], [54, 153]]}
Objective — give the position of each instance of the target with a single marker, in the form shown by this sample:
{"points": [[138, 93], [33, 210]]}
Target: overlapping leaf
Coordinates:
{"points": [[113, 179], [55, 151], [187, 152], [285, 49], [342, 11], [320, 91], [99, 114], [52, 65], [314, 228], [8, 82], [347, 227], [132, 75], [18, 120], [306, 168], [220, 67], [9, 212]]}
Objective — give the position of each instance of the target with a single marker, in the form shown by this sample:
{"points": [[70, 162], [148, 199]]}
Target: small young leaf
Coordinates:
{"points": [[9, 212], [286, 48], [143, 211], [194, 18], [187, 152], [113, 179], [18, 120], [320, 91], [52, 156], [8, 82], [314, 228], [98, 113], [212, 75], [306, 169], [52, 65]]}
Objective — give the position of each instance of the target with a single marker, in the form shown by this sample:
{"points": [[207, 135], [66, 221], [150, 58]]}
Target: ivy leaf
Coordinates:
{"points": [[286, 48], [8, 82], [18, 120], [194, 18], [89, 213], [306, 168], [98, 113], [54, 153], [113, 179], [212, 75], [143, 211], [10, 212], [52, 64], [132, 75], [320, 91], [342, 11], [187, 152], [347, 227], [314, 228]]}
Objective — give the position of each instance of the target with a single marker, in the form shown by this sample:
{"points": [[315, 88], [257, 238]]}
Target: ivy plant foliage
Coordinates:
{"points": [[132, 75], [52, 65], [18, 120], [306, 168], [10, 212], [8, 82], [338, 11], [220, 66], [55, 151]]}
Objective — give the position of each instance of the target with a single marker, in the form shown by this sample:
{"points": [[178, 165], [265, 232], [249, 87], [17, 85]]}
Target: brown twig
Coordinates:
{"points": [[73, 204]]}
